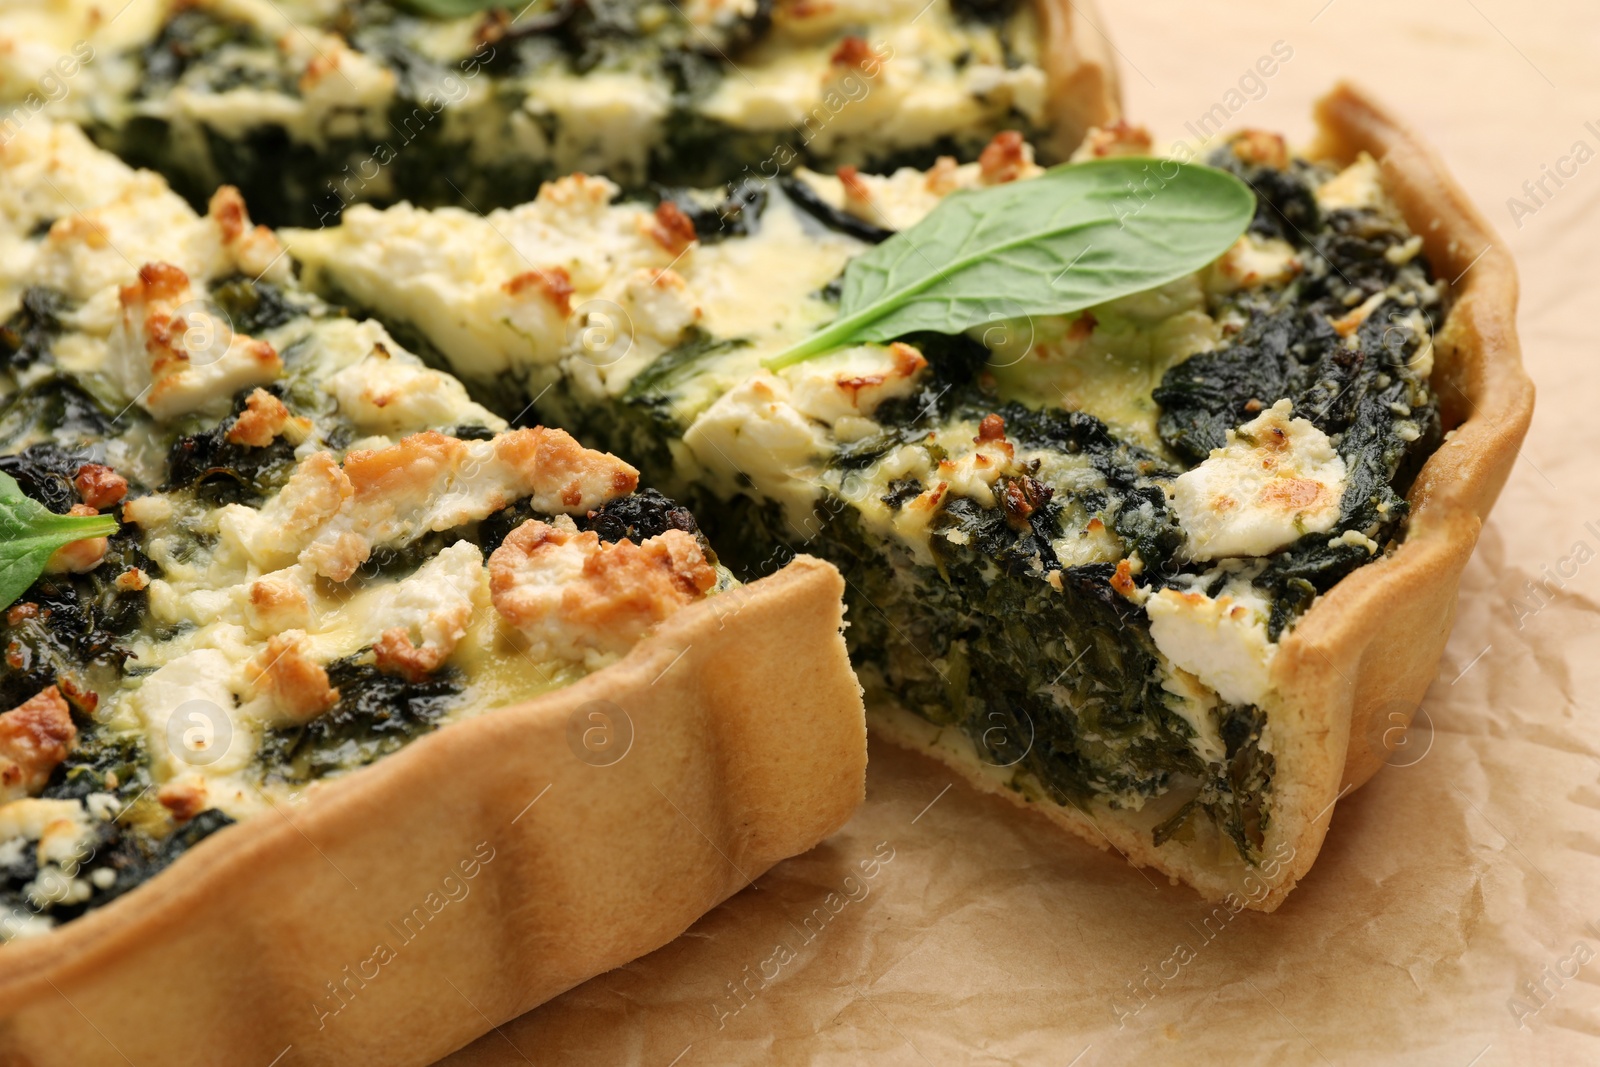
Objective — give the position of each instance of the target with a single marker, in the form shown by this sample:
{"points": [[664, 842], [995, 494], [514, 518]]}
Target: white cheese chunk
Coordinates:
{"points": [[173, 355], [190, 713], [1222, 642], [1254, 261], [753, 434], [853, 381], [1360, 185], [391, 392], [330, 518], [1276, 478], [659, 304], [578, 598]]}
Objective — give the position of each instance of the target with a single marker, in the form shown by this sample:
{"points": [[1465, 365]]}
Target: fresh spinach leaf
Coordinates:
{"points": [[1076, 236], [29, 532]]}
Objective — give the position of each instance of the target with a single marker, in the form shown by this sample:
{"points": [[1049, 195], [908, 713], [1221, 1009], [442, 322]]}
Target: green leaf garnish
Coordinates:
{"points": [[1076, 236], [30, 532]]}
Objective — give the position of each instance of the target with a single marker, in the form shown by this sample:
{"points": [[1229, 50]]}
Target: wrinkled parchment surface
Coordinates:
{"points": [[1468, 869]]}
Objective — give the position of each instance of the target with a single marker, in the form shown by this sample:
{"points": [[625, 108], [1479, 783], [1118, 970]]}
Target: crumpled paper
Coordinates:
{"points": [[1453, 916]]}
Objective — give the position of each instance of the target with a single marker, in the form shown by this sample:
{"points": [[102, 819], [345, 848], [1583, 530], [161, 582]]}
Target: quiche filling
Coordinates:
{"points": [[1072, 543], [309, 105], [326, 549]]}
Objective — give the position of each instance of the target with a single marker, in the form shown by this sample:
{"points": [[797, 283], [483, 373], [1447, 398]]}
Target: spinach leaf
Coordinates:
{"points": [[676, 364], [1076, 236], [29, 532]]}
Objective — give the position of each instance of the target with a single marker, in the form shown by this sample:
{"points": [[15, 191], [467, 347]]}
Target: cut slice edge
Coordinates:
{"points": [[1342, 694]]}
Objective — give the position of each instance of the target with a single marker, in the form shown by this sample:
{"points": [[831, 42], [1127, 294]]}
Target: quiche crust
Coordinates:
{"points": [[1357, 664], [747, 745], [1082, 73]]}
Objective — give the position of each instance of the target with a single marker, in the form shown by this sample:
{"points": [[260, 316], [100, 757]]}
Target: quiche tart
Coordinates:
{"points": [[308, 105], [1157, 568], [478, 702]]}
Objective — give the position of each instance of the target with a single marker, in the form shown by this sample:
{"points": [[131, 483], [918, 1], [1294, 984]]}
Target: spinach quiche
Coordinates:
{"points": [[1124, 565], [308, 105], [299, 554]]}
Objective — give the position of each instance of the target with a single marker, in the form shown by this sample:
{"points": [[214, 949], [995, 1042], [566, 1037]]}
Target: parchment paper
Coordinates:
{"points": [[1453, 917]]}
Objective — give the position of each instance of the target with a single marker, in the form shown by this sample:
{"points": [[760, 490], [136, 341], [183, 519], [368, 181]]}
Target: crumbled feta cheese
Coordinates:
{"points": [[391, 392], [190, 715], [1222, 642], [659, 305], [1277, 478], [1254, 261], [1360, 185], [329, 517], [424, 617], [172, 354], [853, 381], [579, 598], [753, 432]]}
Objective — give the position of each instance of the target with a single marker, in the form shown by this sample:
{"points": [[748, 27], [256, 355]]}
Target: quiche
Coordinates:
{"points": [[308, 105], [1153, 568], [351, 610]]}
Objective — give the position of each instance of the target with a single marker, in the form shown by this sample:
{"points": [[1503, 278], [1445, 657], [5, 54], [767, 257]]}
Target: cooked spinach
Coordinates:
{"points": [[72, 629], [718, 215], [53, 406], [26, 336], [806, 199], [377, 714], [221, 472], [254, 306], [654, 383], [131, 857], [1364, 389]]}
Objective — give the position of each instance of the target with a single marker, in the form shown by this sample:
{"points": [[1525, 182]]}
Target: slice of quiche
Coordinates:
{"points": [[307, 105], [326, 552], [1080, 548]]}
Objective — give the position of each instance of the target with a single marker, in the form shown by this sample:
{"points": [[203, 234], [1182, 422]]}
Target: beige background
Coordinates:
{"points": [[1444, 885]]}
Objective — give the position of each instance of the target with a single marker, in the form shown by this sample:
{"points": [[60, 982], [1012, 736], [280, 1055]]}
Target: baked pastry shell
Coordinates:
{"points": [[1080, 70], [748, 746]]}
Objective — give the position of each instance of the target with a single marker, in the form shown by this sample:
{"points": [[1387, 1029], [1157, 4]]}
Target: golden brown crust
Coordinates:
{"points": [[263, 418], [747, 746], [1081, 72], [670, 228], [1356, 665], [295, 685], [1003, 159], [572, 592], [554, 283], [99, 486]]}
